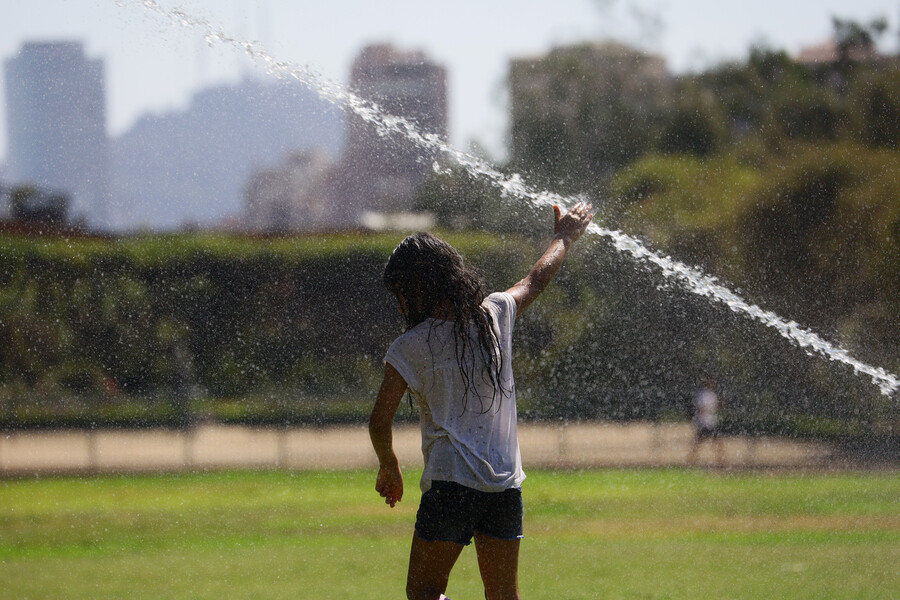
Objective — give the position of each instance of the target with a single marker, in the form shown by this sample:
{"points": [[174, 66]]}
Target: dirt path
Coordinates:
{"points": [[217, 446]]}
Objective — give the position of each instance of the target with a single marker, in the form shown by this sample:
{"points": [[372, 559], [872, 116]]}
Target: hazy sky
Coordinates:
{"points": [[154, 66]]}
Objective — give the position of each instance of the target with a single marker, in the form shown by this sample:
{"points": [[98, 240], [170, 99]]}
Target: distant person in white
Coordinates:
{"points": [[455, 359], [706, 421]]}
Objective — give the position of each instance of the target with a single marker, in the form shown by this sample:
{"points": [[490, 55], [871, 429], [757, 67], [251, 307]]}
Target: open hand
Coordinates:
{"points": [[571, 225], [389, 484]]}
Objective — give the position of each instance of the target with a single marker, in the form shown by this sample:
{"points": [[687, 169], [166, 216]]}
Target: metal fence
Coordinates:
{"points": [[224, 447]]}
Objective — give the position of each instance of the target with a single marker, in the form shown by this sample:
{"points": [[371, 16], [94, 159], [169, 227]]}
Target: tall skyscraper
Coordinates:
{"points": [[383, 173], [56, 118]]}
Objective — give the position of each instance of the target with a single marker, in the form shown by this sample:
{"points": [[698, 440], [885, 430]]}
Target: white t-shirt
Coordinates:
{"points": [[464, 439], [706, 404]]}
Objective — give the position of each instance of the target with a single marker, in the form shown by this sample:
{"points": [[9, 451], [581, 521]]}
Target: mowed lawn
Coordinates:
{"points": [[589, 534]]}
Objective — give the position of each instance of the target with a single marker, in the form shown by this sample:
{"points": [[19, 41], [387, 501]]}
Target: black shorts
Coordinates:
{"points": [[707, 432], [450, 512]]}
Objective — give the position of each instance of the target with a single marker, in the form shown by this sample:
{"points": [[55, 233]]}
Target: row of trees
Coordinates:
{"points": [[582, 113]]}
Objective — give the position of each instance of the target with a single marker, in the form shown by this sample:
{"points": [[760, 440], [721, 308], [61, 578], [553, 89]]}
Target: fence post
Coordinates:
{"points": [[281, 458], [656, 443], [562, 449], [188, 435], [92, 449]]}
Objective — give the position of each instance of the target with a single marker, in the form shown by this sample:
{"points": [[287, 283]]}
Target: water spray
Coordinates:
{"points": [[513, 186]]}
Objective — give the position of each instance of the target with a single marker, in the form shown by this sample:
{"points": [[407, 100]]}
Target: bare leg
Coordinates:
{"points": [[498, 561], [695, 447], [720, 450], [429, 568]]}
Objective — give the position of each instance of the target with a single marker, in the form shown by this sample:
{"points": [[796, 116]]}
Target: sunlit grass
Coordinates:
{"points": [[611, 534]]}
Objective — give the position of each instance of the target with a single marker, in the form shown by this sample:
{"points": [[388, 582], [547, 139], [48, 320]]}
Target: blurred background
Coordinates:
{"points": [[186, 239]]}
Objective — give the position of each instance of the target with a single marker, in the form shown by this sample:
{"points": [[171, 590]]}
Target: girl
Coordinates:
{"points": [[455, 360]]}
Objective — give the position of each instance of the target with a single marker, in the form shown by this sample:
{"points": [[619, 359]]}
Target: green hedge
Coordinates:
{"points": [[90, 321]]}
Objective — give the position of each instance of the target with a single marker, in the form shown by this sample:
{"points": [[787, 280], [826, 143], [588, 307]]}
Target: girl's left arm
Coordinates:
{"points": [[389, 482]]}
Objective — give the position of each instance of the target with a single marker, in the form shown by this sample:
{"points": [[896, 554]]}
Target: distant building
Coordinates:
{"points": [[194, 165], [56, 119], [419, 221], [564, 91], [829, 51], [630, 73], [383, 173], [290, 197]]}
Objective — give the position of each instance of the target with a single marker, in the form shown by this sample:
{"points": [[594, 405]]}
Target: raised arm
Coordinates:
{"points": [[389, 482], [567, 229]]}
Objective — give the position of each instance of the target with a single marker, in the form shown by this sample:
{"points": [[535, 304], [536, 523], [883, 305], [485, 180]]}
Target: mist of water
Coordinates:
{"points": [[513, 186]]}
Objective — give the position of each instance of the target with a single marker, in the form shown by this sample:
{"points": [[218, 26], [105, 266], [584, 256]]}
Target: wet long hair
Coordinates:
{"points": [[433, 278]]}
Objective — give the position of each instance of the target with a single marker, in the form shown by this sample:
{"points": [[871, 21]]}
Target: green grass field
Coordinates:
{"points": [[593, 534]]}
